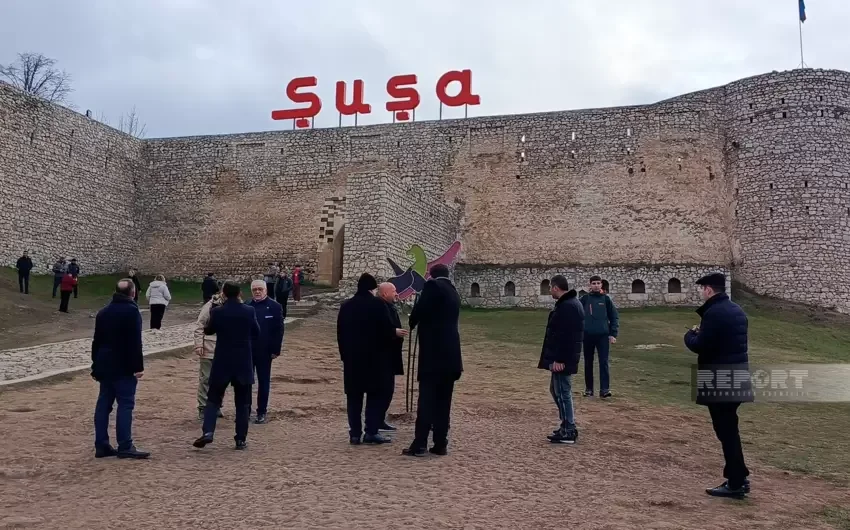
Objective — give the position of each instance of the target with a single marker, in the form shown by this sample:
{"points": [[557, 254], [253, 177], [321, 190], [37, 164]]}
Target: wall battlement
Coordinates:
{"points": [[752, 177]]}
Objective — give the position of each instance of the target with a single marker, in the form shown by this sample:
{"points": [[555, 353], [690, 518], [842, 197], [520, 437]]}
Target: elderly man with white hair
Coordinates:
{"points": [[268, 347]]}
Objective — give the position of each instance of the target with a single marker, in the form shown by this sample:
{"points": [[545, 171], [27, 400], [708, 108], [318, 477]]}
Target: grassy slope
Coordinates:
{"points": [[809, 438]]}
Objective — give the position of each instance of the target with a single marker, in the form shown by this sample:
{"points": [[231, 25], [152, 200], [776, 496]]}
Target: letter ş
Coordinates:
{"points": [[300, 115]]}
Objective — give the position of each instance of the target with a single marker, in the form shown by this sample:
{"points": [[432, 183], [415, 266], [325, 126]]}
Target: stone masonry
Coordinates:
{"points": [[750, 177]]}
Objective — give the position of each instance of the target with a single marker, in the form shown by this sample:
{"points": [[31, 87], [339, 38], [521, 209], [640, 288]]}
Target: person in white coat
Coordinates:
{"points": [[158, 297]]}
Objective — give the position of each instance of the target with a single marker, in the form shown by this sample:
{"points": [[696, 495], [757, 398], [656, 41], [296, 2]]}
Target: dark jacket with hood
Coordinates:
{"points": [[600, 315], [564, 334]]}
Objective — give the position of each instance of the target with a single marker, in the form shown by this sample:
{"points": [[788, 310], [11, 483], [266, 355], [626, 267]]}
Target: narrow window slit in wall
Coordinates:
{"points": [[820, 114], [572, 154], [771, 185], [574, 136], [770, 212], [820, 98], [751, 105], [805, 183], [32, 137], [784, 114], [522, 139], [782, 101], [628, 132], [751, 119]]}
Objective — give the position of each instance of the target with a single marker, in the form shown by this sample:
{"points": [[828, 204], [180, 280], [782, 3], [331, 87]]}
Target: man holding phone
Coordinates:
{"points": [[561, 353]]}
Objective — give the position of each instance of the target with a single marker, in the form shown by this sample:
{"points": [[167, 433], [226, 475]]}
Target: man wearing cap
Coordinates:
{"points": [[363, 326], [720, 342], [268, 346]]}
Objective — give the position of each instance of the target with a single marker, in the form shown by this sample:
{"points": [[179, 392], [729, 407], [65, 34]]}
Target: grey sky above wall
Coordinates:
{"points": [[217, 66]]}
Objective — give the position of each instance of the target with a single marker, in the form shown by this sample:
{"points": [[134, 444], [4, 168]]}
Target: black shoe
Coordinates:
{"points": [[354, 440], [414, 451], [568, 438], [745, 487], [105, 451], [207, 438], [724, 490], [241, 445], [439, 451], [605, 394], [588, 393], [375, 439], [386, 427], [133, 453], [261, 419]]}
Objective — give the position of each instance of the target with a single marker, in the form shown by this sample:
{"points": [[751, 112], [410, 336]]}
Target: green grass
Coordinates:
{"points": [[837, 517], [807, 438]]}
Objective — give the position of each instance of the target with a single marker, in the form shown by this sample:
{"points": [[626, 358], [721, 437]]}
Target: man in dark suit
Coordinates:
{"points": [[24, 266], [117, 364], [392, 347], [268, 346], [561, 353], [436, 312], [363, 326], [236, 329], [720, 342], [209, 287]]}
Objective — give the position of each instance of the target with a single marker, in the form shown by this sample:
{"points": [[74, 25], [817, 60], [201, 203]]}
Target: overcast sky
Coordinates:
{"points": [[221, 66]]}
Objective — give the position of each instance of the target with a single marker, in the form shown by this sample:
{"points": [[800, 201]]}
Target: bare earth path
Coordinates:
{"points": [[634, 466]]}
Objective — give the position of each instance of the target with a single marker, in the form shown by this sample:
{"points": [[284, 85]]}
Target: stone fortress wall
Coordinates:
{"points": [[706, 181]]}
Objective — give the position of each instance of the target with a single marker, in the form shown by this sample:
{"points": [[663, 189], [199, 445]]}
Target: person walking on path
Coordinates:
{"points": [[270, 278], [205, 350], [158, 297], [362, 326], [59, 270], [268, 345], [66, 287], [720, 342], [560, 355], [436, 313], [297, 281], [117, 365], [236, 325], [282, 290], [136, 283], [74, 270], [601, 326], [24, 266]]}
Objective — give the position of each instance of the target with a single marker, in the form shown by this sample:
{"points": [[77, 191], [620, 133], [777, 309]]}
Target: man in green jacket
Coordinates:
{"points": [[601, 325]]}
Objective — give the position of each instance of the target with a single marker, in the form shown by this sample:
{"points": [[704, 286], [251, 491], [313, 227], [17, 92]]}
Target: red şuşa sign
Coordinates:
{"points": [[402, 88]]}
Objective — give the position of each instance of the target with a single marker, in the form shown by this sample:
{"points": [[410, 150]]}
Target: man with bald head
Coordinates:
{"points": [[391, 348], [117, 365]]}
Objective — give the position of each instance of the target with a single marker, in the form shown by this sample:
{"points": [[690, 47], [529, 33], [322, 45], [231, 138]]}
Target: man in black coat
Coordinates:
{"points": [[24, 266], [236, 329], [74, 270], [436, 313], [269, 344], [720, 341], [209, 287], [393, 347], [282, 290], [560, 355], [363, 326], [117, 364]]}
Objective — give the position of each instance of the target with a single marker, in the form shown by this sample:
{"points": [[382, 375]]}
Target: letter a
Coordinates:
{"points": [[465, 96], [357, 106]]}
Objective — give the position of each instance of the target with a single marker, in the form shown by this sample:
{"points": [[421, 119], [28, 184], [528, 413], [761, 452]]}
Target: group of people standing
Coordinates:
{"points": [[279, 284], [65, 278], [370, 339]]}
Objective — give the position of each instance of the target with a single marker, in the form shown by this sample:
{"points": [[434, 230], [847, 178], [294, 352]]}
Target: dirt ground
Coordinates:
{"points": [[634, 466]]}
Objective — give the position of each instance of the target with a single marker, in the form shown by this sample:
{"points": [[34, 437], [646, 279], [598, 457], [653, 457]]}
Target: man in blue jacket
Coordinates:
{"points": [[560, 355], [117, 364], [268, 346], [601, 325], [236, 329], [720, 341]]}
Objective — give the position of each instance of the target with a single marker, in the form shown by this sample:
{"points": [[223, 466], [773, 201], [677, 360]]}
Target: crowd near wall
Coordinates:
{"points": [[751, 177]]}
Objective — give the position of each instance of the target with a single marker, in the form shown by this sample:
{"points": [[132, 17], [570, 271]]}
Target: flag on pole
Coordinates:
{"points": [[802, 11]]}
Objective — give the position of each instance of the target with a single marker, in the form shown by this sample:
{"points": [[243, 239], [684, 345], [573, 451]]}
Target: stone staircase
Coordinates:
{"points": [[302, 309]]}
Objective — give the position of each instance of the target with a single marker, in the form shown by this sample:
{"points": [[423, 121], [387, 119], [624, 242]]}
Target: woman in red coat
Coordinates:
{"points": [[66, 287]]}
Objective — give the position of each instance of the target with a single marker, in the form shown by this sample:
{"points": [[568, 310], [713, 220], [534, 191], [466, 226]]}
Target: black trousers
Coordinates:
{"points": [[242, 401], [65, 296], [24, 282], [724, 418], [282, 301], [375, 409], [76, 285], [388, 399], [433, 411], [157, 312], [270, 290]]}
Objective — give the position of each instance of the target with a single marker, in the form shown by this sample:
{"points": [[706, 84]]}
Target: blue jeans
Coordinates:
{"points": [[599, 343], [122, 390], [561, 388]]}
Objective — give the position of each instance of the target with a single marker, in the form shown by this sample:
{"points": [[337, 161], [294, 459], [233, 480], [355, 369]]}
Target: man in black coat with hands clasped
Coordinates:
{"points": [[436, 313], [561, 353], [720, 341], [24, 266], [363, 326], [236, 329]]}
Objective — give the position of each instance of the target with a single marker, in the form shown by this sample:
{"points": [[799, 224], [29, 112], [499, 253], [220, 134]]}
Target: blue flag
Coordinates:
{"points": [[802, 11]]}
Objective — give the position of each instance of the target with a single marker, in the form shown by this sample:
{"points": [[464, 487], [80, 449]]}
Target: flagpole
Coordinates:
{"points": [[802, 62]]}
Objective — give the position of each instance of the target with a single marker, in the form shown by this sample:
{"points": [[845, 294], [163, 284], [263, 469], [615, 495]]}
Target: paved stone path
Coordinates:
{"points": [[48, 358]]}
